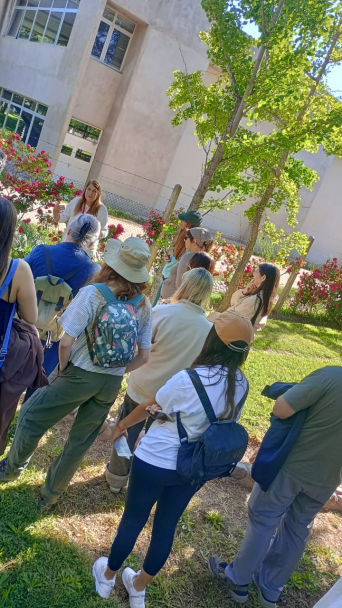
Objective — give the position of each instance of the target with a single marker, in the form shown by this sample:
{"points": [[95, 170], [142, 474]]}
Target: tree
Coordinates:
{"points": [[276, 79]]}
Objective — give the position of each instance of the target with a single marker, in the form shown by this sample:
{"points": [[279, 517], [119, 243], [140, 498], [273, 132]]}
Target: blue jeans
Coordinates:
{"points": [[149, 484], [278, 529]]}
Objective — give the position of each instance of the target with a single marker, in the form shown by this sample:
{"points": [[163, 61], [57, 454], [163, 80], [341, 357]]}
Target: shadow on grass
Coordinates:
{"points": [[279, 331]]}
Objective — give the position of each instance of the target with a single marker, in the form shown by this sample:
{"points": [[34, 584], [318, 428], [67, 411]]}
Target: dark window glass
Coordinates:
{"points": [[42, 109], [27, 24], [67, 150], [15, 23], [32, 3], [108, 14], [21, 3], [82, 130], [45, 3], [26, 118], [12, 118], [7, 94], [126, 24], [83, 155], [18, 99], [35, 131], [52, 27], [29, 103], [24, 124], [66, 28], [73, 4], [39, 26], [3, 110], [117, 49], [100, 39], [59, 3]]}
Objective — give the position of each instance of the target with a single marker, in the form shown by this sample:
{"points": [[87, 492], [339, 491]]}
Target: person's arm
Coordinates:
{"points": [[26, 293], [182, 268], [140, 359], [64, 350], [302, 395], [282, 409], [102, 217], [139, 414]]}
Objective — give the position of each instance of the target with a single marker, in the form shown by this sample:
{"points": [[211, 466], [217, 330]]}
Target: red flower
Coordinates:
{"points": [[43, 152], [55, 238], [50, 235], [20, 229]]}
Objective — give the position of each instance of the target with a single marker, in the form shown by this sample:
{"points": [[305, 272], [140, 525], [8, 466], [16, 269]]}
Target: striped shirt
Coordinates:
{"points": [[82, 312]]}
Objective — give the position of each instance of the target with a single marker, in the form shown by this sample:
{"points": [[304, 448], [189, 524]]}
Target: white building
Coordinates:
{"points": [[85, 80]]}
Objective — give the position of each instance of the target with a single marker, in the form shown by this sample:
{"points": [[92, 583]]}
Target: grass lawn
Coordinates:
{"points": [[45, 559]]}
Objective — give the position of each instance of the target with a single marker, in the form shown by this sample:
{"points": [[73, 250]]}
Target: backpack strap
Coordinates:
{"points": [[48, 263], [204, 399], [203, 395], [9, 276], [255, 316], [241, 403], [8, 279], [106, 292]]}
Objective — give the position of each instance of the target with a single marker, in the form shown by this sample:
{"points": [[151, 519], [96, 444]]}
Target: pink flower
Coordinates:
{"points": [[38, 171], [43, 152]]}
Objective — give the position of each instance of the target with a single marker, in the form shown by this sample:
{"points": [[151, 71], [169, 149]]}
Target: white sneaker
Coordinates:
{"points": [[103, 586], [136, 598]]}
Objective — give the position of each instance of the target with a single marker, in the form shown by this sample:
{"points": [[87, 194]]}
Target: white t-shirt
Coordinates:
{"points": [[68, 215], [160, 445], [81, 312]]}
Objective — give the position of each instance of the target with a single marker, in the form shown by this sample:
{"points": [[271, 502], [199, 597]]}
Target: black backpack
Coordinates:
{"points": [[217, 452]]}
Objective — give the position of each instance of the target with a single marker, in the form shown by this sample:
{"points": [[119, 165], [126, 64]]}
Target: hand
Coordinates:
{"points": [[250, 287], [57, 210], [153, 409], [116, 433]]}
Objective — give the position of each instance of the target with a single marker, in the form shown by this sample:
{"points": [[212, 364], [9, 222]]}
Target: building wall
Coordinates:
{"points": [[50, 74]]}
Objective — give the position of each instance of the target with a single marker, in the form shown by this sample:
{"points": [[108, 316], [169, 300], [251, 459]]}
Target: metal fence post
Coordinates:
{"points": [[287, 287]]}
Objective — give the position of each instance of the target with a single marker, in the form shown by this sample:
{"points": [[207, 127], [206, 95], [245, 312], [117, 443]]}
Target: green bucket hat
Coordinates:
{"points": [[193, 217]]}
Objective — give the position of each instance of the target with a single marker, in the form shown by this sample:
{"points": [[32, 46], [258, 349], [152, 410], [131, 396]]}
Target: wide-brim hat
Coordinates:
{"points": [[192, 217], [232, 326], [128, 258]]}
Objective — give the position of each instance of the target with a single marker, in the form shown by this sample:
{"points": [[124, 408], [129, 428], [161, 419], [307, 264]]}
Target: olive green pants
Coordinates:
{"points": [[93, 394]]}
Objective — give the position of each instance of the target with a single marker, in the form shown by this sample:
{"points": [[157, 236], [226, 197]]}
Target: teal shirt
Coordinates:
{"points": [[316, 456], [167, 267]]}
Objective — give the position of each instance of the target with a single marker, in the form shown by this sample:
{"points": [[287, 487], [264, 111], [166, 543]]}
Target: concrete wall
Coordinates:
{"points": [[51, 75], [139, 137]]}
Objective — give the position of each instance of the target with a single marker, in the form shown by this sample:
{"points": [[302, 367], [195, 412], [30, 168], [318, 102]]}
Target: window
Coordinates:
{"points": [[83, 155], [48, 21], [21, 115], [112, 39], [67, 150], [83, 130]]}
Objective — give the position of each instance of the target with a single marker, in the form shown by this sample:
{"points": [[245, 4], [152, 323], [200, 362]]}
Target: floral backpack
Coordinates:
{"points": [[113, 336]]}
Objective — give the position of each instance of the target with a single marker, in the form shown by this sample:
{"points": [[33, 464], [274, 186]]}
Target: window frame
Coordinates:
{"points": [[21, 109], [37, 9], [113, 26]]}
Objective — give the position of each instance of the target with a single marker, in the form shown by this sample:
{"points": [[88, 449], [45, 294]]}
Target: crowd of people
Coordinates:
{"points": [[79, 327]]}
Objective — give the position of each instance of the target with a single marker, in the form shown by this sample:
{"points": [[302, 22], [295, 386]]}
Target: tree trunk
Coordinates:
{"points": [[237, 276]]}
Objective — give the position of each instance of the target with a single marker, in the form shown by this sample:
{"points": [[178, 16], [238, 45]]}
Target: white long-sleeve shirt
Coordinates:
{"points": [[68, 215]]}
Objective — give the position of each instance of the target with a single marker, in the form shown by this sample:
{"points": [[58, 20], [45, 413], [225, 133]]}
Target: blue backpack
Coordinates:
{"points": [[217, 452], [113, 337]]}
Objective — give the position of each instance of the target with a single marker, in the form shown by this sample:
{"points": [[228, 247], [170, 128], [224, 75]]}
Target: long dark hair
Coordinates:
{"points": [[8, 222], [201, 259], [178, 242], [268, 287], [216, 354]]}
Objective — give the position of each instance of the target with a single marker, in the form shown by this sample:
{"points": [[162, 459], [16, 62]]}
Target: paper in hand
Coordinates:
{"points": [[122, 448]]}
